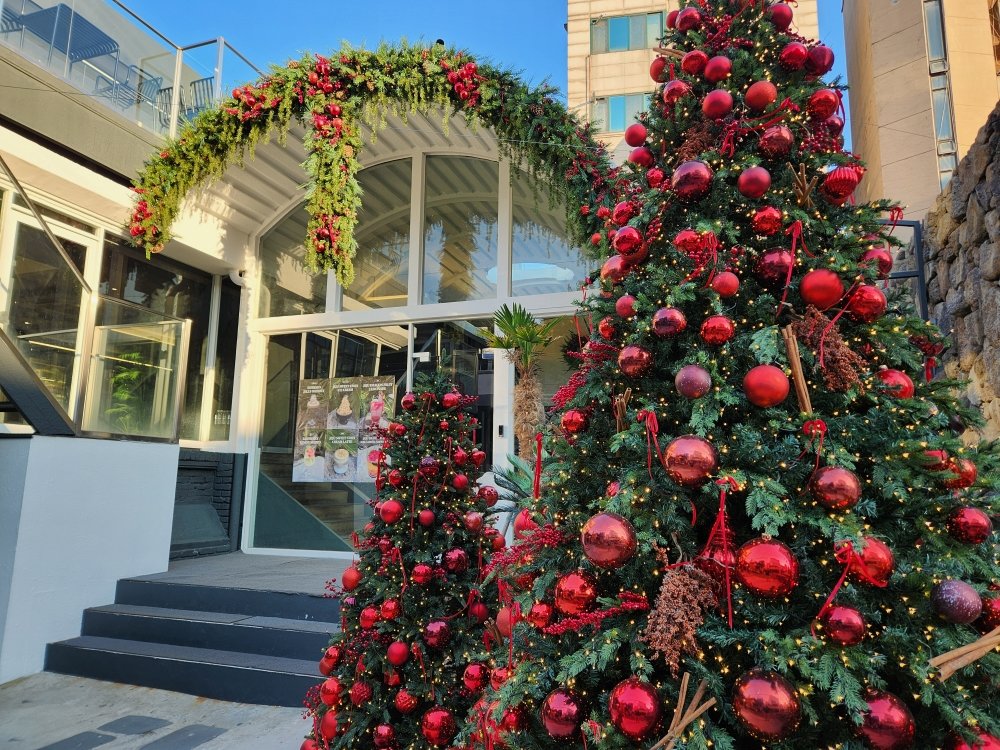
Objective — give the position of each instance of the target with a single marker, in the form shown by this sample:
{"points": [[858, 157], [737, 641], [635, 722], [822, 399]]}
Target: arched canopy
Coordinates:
{"points": [[332, 102]]}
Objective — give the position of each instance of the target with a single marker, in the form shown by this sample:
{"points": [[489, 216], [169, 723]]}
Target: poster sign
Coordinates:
{"points": [[336, 428]]}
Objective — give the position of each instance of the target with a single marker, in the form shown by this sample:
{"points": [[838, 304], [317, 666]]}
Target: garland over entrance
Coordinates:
{"points": [[332, 97]]}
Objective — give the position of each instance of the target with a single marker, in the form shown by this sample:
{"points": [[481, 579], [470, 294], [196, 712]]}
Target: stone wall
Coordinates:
{"points": [[963, 244]]}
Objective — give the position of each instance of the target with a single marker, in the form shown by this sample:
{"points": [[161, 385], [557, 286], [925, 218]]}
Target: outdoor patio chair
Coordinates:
{"points": [[202, 96]]}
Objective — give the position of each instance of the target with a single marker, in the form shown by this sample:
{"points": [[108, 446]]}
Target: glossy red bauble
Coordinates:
{"points": [[437, 633], [753, 182], [608, 540], [489, 495], [408, 401], [573, 421], [717, 104], [429, 467], [689, 242], [460, 482], [562, 711], [658, 69], [672, 19], [668, 321], [761, 95], [426, 518], [395, 477], [969, 525], [780, 14], [438, 726], [823, 103], [887, 724], [674, 91], [505, 621], [766, 704], [766, 386], [717, 330], [690, 460], [350, 579], [692, 381], [877, 563], [867, 304], [774, 266], [390, 609], [635, 708], [614, 269], [635, 361], [391, 511], [838, 185], [767, 567], [398, 653], [961, 473], [328, 725], [360, 693], [635, 134], [498, 677], [642, 157], [369, 618], [691, 180], [693, 62], [989, 620], [451, 399], [793, 56], [524, 524], [820, 60], [834, 125], [844, 626], [479, 611], [308, 744], [607, 328], [331, 691], [821, 288], [689, 19], [625, 306], [718, 69], [655, 177], [983, 742], [576, 592], [957, 602], [835, 488], [726, 284], [776, 141], [383, 736], [478, 456], [540, 614], [455, 560], [767, 220], [422, 574], [475, 677], [405, 702], [896, 383], [880, 258]]}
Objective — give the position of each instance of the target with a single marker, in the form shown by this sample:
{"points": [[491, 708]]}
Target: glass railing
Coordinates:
{"points": [[110, 54]]}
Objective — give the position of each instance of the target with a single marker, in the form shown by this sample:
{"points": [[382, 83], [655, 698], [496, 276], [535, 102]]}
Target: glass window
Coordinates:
{"points": [[460, 229], [935, 30], [947, 166], [995, 29], [654, 29], [636, 32], [618, 34], [287, 286], [225, 361], [383, 235], [598, 36], [599, 114], [544, 261], [621, 33], [616, 113], [51, 213], [941, 99]]}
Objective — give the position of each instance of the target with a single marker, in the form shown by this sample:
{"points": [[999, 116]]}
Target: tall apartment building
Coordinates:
{"points": [[610, 46], [923, 78]]}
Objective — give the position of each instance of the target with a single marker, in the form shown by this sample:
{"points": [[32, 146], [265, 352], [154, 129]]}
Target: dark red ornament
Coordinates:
{"points": [[614, 269], [969, 525], [984, 741], [576, 592], [766, 704], [328, 725], [573, 421], [608, 540], [383, 736], [523, 524], [961, 474], [451, 399], [674, 91], [844, 626], [456, 560], [879, 257], [607, 328], [823, 103], [505, 621], [422, 574], [776, 141], [689, 19], [391, 511], [820, 60], [331, 691], [877, 562], [635, 134], [622, 212], [780, 14], [395, 477], [888, 723], [489, 494], [350, 579], [838, 185], [767, 567], [767, 220], [475, 677], [717, 104], [562, 709], [834, 124], [405, 702], [690, 460], [692, 381], [460, 482], [754, 182], [693, 62], [655, 177], [989, 620], [718, 69], [635, 361], [658, 69], [642, 157], [369, 618], [821, 288], [391, 609], [774, 266], [635, 708], [625, 306], [957, 602], [479, 611], [835, 488], [540, 614], [668, 322], [398, 653], [867, 304], [498, 677], [438, 726], [761, 95], [426, 518], [308, 744], [793, 56], [360, 693], [726, 284], [897, 384], [717, 330], [766, 386], [437, 633], [691, 180], [408, 401]]}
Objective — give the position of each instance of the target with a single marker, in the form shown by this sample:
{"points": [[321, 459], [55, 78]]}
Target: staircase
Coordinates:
{"points": [[232, 644]]}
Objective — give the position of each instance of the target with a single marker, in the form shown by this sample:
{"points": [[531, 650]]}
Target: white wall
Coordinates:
{"points": [[91, 512]]}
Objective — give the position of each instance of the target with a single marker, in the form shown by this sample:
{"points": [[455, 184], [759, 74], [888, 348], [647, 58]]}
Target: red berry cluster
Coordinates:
{"points": [[329, 127], [319, 77], [251, 101], [464, 81], [326, 235]]}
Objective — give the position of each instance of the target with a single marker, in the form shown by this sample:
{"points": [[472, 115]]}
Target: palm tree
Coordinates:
{"points": [[523, 338]]}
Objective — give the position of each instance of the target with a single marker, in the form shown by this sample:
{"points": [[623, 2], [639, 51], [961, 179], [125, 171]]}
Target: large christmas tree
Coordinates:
{"points": [[750, 482], [413, 605]]}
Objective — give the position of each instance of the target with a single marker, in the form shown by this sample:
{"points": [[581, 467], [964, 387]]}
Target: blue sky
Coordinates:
{"points": [[525, 35]]}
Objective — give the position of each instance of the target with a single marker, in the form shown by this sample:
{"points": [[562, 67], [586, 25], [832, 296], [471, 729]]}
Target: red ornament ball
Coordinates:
{"points": [[835, 487], [398, 653], [608, 540], [614, 269], [607, 328], [422, 574], [983, 742], [876, 565], [957, 602], [308, 744], [834, 124], [562, 709], [694, 62], [776, 141], [635, 708], [717, 104], [642, 157], [767, 220], [390, 609], [766, 386], [479, 611], [361, 693], [674, 91], [475, 677], [426, 518], [456, 560], [838, 185], [635, 134], [688, 241], [655, 177], [689, 19], [331, 691], [718, 69], [767, 567], [844, 626], [717, 330], [540, 614], [473, 521], [820, 60], [780, 14], [574, 421], [437, 633], [408, 401], [658, 69], [888, 723], [969, 525], [438, 726], [823, 103], [489, 494], [761, 95], [395, 477], [867, 304], [668, 322], [383, 736], [880, 258], [691, 180], [391, 511], [690, 460], [766, 704], [989, 620], [692, 381], [350, 579], [775, 266], [753, 182], [635, 361], [505, 621], [897, 384], [498, 677], [961, 474], [405, 702], [524, 524], [576, 592], [328, 725], [460, 482], [793, 56], [726, 284], [451, 399], [821, 288], [625, 306], [369, 618]]}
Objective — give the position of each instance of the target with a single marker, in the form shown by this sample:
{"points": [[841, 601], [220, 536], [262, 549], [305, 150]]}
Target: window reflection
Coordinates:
{"points": [[288, 287]]}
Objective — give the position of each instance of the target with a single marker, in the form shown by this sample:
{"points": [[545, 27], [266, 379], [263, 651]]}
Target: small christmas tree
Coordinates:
{"points": [[413, 605], [819, 562]]}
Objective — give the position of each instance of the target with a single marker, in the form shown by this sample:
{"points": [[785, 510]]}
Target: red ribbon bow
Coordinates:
{"points": [[813, 429], [795, 230], [720, 533], [652, 428], [846, 555]]}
